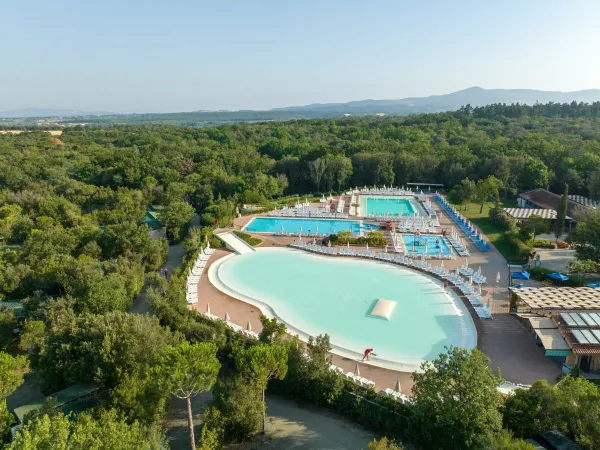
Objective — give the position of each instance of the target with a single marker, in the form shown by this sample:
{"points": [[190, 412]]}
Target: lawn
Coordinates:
{"points": [[248, 238], [493, 233]]}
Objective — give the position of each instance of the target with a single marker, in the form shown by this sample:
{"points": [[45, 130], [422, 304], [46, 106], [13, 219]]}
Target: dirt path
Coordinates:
{"points": [[175, 254]]}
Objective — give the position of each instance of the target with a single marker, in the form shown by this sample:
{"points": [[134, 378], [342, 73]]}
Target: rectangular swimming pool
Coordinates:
{"points": [[297, 225], [389, 206], [429, 244]]}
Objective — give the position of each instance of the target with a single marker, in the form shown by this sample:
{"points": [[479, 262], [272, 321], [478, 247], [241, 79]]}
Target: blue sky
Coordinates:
{"points": [[136, 56]]}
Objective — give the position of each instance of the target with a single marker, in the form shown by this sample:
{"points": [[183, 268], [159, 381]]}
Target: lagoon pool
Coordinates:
{"points": [[389, 206], [426, 244], [291, 225], [315, 295]]}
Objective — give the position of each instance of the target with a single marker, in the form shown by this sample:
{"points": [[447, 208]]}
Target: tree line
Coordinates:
{"points": [[75, 249]]}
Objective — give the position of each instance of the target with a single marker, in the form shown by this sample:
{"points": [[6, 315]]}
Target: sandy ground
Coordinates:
{"points": [[52, 132], [557, 259]]}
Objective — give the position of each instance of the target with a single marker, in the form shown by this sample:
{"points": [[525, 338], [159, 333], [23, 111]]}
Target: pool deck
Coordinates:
{"points": [[510, 346]]}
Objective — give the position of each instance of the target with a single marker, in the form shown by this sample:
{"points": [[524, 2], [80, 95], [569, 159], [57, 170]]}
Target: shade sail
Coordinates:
{"points": [[558, 276], [520, 275]]}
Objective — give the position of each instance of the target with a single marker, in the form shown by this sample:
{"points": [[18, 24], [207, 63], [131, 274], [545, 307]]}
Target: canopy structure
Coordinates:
{"points": [[559, 298], [539, 323], [558, 276], [525, 213], [552, 339], [520, 275], [383, 309]]}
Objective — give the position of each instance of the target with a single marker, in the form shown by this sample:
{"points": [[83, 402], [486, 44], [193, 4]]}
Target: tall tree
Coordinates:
{"points": [[188, 370], [106, 430], [272, 330], [586, 235], [487, 188], [174, 216], [12, 371], [535, 225], [456, 401], [594, 185], [261, 363], [561, 214], [316, 169]]}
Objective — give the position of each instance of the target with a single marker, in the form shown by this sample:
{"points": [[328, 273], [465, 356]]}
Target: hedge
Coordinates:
{"points": [[522, 249]]}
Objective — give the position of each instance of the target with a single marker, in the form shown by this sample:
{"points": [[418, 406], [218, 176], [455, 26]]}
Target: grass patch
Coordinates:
{"points": [[490, 229], [248, 239]]}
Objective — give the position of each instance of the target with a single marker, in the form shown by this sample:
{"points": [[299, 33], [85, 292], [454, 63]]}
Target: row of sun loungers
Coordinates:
{"points": [[195, 273], [354, 377], [426, 204], [300, 233], [476, 277], [463, 223], [234, 326], [384, 191], [340, 206], [453, 277], [353, 201], [397, 395], [317, 213], [458, 246]]}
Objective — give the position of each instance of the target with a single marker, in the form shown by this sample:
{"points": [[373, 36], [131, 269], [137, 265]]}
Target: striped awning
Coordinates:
{"points": [[524, 213], [584, 201]]}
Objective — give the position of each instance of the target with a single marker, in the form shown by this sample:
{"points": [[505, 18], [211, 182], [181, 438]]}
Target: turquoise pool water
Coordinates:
{"points": [[315, 295], [426, 244], [391, 206], [290, 225]]}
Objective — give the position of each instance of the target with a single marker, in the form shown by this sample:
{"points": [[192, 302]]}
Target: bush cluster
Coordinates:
{"points": [[346, 237]]}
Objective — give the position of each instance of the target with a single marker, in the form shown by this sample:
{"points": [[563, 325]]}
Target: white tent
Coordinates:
{"points": [[227, 318], [357, 371]]}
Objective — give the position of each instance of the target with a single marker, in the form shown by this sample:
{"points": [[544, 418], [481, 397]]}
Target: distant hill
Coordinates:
{"points": [[475, 96], [48, 112]]}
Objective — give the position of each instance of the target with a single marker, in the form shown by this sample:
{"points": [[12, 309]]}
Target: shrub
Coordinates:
{"points": [[345, 237], [248, 239], [561, 244], [522, 250], [505, 222], [375, 238], [543, 243]]}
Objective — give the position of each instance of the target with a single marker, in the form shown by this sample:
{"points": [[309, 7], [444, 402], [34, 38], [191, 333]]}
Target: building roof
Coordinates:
{"points": [[15, 305], [581, 330], [560, 298], [63, 397], [548, 200], [524, 213], [540, 323], [588, 202], [552, 339]]}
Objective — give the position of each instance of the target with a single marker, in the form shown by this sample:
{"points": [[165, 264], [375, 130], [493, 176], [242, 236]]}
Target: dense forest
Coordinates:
{"points": [[74, 247]]}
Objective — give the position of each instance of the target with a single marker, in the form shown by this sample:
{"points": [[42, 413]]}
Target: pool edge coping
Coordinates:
{"points": [[270, 312]]}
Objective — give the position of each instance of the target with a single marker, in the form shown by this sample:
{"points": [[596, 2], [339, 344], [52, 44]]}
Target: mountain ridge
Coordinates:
{"points": [[475, 96]]}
